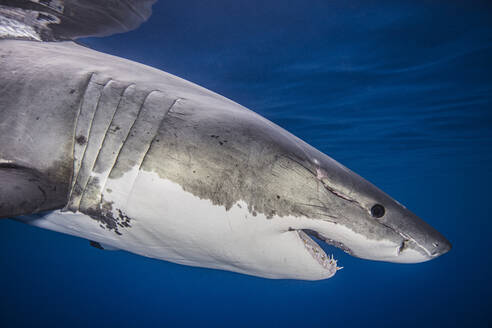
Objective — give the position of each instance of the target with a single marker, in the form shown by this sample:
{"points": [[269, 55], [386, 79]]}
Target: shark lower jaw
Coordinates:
{"points": [[328, 263]]}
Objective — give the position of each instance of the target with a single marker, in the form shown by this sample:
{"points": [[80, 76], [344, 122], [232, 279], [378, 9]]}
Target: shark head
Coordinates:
{"points": [[269, 192], [343, 209], [370, 224]]}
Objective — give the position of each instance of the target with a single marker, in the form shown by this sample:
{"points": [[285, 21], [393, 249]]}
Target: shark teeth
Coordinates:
{"points": [[327, 262]]}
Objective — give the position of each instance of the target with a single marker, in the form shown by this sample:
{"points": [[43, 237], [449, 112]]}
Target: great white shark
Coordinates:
{"points": [[134, 158]]}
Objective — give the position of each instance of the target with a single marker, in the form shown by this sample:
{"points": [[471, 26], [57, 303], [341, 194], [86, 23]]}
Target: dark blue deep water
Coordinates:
{"points": [[398, 91]]}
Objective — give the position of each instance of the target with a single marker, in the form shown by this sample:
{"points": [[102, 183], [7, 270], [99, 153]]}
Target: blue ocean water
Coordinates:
{"points": [[399, 92]]}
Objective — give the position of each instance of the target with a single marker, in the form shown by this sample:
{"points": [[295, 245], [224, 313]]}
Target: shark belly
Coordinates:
{"points": [[158, 219]]}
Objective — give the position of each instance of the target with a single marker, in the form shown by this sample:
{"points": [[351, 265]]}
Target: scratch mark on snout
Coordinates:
{"points": [[403, 246]]}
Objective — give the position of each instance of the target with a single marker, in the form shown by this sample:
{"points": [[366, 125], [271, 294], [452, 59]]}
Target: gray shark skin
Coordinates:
{"points": [[58, 20], [80, 128]]}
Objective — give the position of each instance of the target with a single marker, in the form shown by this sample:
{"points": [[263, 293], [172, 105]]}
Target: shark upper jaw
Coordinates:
{"points": [[401, 249]]}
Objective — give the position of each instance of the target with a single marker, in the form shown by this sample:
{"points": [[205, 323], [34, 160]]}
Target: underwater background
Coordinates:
{"points": [[398, 91]]}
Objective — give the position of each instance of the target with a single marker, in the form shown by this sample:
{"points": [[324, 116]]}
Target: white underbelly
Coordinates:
{"points": [[171, 224]]}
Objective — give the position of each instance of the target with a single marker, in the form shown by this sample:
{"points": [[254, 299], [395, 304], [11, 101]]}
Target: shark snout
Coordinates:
{"points": [[410, 251], [440, 247], [420, 241]]}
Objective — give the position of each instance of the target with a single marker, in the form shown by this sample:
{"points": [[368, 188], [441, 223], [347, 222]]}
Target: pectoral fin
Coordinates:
{"points": [[24, 191]]}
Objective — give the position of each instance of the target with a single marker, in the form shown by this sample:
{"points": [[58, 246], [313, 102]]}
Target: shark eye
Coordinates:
{"points": [[377, 211]]}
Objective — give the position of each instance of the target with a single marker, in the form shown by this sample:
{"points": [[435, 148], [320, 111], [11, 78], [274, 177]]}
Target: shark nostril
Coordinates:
{"points": [[440, 247]]}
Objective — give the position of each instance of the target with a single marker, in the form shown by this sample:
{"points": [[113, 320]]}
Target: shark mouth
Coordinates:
{"points": [[327, 262]]}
